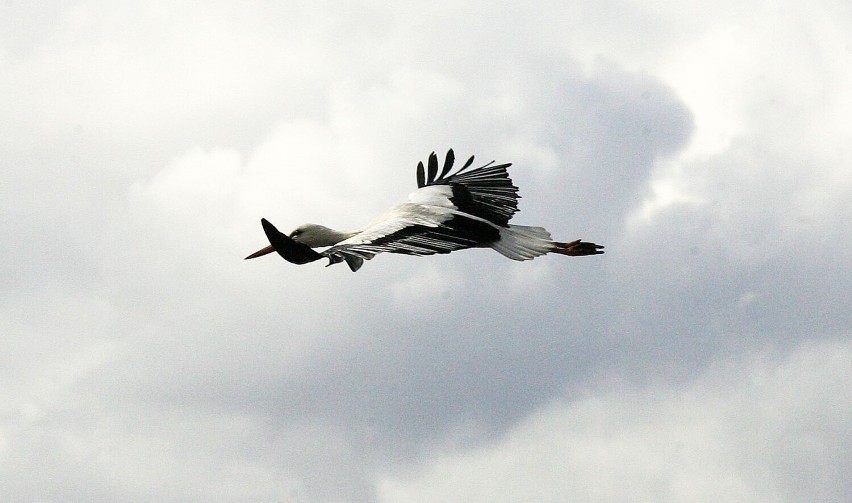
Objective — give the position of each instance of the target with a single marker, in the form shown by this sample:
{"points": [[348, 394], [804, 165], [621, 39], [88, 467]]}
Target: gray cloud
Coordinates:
{"points": [[739, 431], [143, 359]]}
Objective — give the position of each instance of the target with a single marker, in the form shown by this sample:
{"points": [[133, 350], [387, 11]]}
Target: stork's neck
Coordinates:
{"points": [[317, 236]]}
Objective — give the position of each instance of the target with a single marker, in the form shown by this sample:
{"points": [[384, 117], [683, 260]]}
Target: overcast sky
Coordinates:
{"points": [[706, 357]]}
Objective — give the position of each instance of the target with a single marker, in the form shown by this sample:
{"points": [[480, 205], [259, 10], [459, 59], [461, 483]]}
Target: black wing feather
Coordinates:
{"points": [[486, 192], [421, 177], [466, 165], [433, 168], [448, 163], [290, 250]]}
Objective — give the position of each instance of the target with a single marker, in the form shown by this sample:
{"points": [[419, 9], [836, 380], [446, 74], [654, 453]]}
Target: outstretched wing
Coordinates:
{"points": [[486, 192], [408, 230]]}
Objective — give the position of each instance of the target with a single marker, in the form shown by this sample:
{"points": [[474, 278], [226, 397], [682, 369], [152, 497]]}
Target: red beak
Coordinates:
{"points": [[261, 252]]}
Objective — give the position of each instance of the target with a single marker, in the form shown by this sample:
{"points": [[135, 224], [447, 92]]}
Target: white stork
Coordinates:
{"points": [[447, 212]]}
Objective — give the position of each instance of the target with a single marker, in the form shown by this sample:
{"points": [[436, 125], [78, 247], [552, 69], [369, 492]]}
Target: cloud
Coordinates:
{"points": [[144, 359], [747, 429]]}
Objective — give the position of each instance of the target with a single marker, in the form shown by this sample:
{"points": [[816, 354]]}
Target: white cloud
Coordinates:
{"points": [[764, 76]]}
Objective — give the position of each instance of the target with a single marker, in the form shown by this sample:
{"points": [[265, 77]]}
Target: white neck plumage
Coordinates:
{"points": [[317, 236]]}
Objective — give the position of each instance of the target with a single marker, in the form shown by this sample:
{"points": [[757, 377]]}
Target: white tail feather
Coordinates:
{"points": [[521, 242]]}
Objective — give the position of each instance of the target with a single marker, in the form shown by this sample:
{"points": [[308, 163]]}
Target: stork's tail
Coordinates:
{"points": [[521, 242]]}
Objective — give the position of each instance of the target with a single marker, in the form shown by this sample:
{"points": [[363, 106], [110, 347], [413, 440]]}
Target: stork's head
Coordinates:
{"points": [[317, 236], [288, 248]]}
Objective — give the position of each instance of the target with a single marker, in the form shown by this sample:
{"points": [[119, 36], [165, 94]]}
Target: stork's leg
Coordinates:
{"points": [[577, 248]]}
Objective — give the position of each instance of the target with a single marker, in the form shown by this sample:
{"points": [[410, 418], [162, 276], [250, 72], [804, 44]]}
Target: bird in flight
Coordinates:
{"points": [[447, 212]]}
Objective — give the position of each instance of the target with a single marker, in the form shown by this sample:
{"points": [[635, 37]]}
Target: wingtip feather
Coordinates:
{"points": [[421, 176], [448, 163], [433, 168]]}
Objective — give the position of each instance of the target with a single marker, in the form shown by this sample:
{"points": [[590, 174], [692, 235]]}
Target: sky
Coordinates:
{"points": [[706, 357]]}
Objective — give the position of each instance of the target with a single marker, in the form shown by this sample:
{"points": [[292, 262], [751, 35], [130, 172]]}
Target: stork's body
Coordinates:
{"points": [[447, 212]]}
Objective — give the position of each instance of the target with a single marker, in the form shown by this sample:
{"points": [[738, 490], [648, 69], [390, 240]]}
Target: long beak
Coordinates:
{"points": [[261, 252]]}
